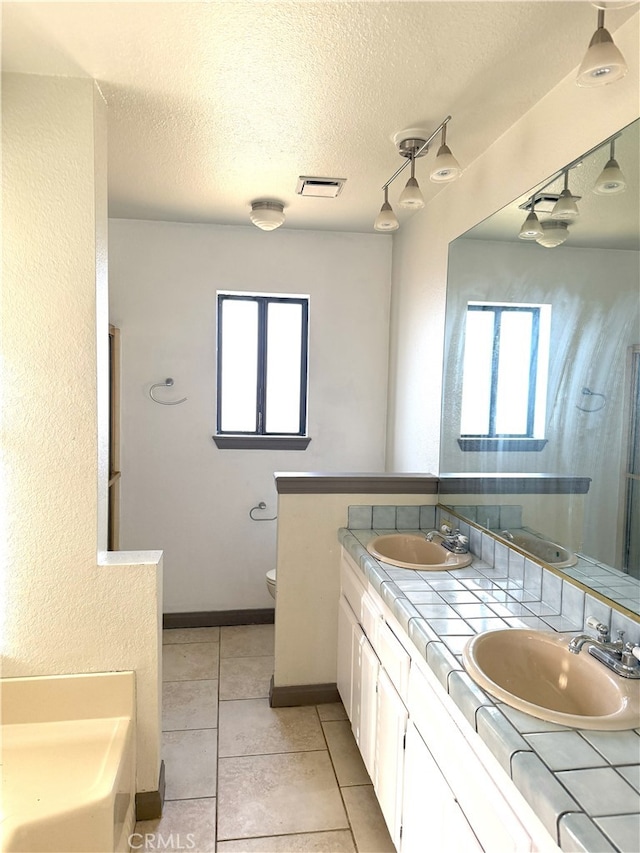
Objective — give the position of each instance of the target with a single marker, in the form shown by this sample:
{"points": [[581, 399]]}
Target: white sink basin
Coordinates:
{"points": [[534, 672], [412, 551]]}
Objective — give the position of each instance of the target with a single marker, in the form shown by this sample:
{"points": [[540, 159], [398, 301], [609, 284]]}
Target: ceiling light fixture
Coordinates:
{"points": [[386, 220], [446, 167], [531, 228], [603, 63], [554, 233], [267, 215], [411, 145], [610, 180], [565, 209]]}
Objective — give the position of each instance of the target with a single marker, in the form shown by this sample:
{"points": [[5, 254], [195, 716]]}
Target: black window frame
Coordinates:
{"points": [[260, 437], [498, 311]]}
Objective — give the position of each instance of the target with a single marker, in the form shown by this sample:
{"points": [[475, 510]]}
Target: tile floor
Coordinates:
{"points": [[246, 778]]}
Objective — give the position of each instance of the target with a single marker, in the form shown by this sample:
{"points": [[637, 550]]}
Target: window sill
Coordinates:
{"points": [[261, 442], [501, 445]]}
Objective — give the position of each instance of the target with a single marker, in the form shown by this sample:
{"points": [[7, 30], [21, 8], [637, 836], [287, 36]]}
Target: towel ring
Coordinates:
{"points": [[166, 384], [261, 505], [589, 393]]}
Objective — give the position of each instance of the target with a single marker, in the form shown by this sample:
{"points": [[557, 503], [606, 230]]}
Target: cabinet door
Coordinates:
{"points": [[431, 817], [369, 666], [391, 725], [347, 626]]}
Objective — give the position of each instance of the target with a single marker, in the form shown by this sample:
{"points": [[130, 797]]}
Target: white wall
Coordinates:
{"points": [[535, 147], [66, 608], [179, 491]]}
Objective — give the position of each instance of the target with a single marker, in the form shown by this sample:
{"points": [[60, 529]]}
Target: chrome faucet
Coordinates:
{"points": [[623, 658], [452, 540]]}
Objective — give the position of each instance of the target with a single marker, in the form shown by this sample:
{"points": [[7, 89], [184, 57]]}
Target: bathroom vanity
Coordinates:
{"points": [[453, 769]]}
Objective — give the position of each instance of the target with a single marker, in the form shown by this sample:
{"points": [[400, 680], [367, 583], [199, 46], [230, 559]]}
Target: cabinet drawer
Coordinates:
{"points": [[394, 658], [352, 588]]}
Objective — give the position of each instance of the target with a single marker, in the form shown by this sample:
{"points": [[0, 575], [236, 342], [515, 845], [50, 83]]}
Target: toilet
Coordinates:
{"points": [[271, 582]]}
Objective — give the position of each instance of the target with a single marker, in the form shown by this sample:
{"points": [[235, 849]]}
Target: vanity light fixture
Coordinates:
{"points": [[610, 180], [267, 215], [411, 145], [386, 220], [531, 228], [554, 233], [446, 167], [565, 208], [603, 63]]}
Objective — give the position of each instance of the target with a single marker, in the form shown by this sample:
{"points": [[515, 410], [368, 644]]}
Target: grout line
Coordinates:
{"points": [[333, 767]]}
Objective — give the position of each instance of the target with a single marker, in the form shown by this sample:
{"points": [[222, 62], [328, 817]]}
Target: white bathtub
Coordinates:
{"points": [[68, 775]]}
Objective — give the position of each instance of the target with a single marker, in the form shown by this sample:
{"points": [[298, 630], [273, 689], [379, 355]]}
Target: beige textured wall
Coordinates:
{"points": [[66, 607]]}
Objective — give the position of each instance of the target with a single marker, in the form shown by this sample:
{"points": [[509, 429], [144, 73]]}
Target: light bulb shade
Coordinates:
{"points": [[446, 167], [411, 195], [531, 228], [267, 215], [386, 219], [565, 208], [554, 233], [610, 180], [603, 63]]}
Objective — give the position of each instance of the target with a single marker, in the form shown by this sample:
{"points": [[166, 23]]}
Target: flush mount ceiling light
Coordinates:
{"points": [[267, 215], [554, 233], [603, 63], [610, 180], [412, 144], [565, 208], [386, 220], [446, 167], [531, 228]]}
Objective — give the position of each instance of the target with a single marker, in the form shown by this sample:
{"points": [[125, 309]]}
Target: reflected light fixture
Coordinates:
{"points": [[531, 228], [610, 180], [411, 196], [267, 215], [603, 63], [554, 233], [446, 167], [386, 220], [565, 208]]}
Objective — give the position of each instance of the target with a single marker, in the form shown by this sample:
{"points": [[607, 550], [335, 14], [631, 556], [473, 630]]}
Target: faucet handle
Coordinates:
{"points": [[600, 627]]}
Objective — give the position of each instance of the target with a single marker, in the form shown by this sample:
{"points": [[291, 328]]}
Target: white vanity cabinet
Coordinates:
{"points": [[438, 786]]}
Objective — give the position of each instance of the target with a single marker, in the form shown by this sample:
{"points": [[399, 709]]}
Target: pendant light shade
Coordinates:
{"points": [[603, 63], [565, 209], [386, 220], [411, 196], [267, 215], [554, 233], [531, 228], [610, 180], [446, 167]]}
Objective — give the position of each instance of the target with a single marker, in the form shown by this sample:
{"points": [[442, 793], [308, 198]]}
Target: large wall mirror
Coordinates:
{"points": [[542, 366]]}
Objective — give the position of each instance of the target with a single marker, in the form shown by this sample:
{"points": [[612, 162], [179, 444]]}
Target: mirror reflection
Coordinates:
{"points": [[542, 366]]}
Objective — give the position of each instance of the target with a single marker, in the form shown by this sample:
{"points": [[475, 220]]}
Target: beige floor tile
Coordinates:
{"points": [[190, 759], [367, 824], [245, 678], [184, 825], [251, 727], [277, 795], [245, 641], [332, 711], [190, 635], [339, 841], [189, 705], [190, 661], [345, 754]]}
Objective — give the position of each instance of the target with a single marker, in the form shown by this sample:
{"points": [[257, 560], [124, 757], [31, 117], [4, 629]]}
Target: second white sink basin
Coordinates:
{"points": [[412, 551]]}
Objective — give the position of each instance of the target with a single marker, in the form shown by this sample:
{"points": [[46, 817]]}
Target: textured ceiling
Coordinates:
{"points": [[215, 104]]}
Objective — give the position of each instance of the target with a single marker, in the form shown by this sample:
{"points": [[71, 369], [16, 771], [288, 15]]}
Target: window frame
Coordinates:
{"points": [[260, 438]]}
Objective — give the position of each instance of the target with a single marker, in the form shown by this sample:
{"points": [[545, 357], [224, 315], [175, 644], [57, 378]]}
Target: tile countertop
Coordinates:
{"points": [[583, 785]]}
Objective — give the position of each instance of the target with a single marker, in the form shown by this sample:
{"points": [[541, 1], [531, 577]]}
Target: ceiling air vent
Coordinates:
{"points": [[320, 187], [545, 202]]}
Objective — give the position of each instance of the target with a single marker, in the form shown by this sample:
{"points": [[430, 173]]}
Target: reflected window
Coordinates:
{"points": [[505, 369], [262, 365]]}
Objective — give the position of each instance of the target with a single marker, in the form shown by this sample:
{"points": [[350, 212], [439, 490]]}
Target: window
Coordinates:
{"points": [[262, 371], [505, 370]]}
